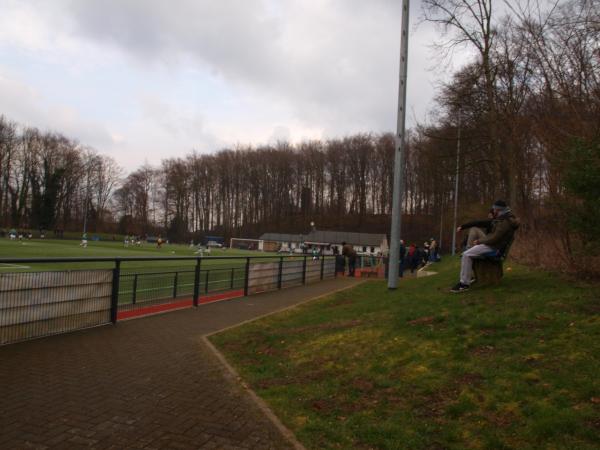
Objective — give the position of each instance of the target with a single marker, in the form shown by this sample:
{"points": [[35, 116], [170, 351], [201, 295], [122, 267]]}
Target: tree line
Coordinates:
{"points": [[48, 181], [520, 116]]}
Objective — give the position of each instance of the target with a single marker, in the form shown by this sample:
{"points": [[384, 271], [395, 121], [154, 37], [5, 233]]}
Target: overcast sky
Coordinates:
{"points": [[142, 80]]}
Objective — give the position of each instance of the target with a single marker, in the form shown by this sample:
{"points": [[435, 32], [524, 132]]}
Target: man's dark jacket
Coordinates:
{"points": [[502, 231]]}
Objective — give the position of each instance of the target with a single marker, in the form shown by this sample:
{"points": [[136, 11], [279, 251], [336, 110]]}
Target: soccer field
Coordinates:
{"points": [[58, 248], [139, 280]]}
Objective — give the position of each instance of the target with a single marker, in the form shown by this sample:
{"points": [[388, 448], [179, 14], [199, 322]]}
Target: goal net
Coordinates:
{"points": [[247, 244]]}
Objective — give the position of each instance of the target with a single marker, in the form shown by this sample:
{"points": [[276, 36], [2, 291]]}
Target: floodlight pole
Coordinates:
{"points": [[87, 201], [398, 158], [456, 186]]}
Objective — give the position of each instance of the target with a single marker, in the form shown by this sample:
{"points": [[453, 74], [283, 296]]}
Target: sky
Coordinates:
{"points": [[145, 80]]}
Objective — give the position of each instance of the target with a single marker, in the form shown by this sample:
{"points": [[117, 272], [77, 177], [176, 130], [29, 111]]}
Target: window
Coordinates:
{"points": [[364, 249], [372, 249]]}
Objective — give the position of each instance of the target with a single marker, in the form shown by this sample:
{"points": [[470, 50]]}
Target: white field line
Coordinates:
{"points": [[13, 266]]}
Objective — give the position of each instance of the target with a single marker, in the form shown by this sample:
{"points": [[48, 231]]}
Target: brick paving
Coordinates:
{"points": [[148, 383]]}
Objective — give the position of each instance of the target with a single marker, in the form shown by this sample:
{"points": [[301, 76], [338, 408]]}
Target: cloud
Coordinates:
{"points": [[154, 79], [28, 107], [335, 62]]}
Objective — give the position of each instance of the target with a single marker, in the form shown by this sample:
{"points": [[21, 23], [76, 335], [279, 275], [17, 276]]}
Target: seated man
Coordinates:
{"points": [[503, 227], [477, 229]]}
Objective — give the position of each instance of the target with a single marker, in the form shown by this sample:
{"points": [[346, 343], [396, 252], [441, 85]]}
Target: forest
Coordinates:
{"points": [[520, 121]]}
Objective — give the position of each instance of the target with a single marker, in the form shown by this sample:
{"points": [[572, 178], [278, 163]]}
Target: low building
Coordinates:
{"points": [[273, 242], [329, 241]]}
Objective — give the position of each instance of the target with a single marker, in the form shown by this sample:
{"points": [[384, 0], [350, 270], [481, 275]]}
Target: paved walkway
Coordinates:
{"points": [[147, 383]]}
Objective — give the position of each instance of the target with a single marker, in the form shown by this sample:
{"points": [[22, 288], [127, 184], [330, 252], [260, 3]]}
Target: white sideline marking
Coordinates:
{"points": [[13, 266], [425, 273]]}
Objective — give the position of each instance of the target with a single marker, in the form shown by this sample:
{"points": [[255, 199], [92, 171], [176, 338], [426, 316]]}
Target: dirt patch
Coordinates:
{"points": [[594, 423], [350, 407], [423, 321], [393, 396], [502, 419], [322, 405], [483, 351], [362, 385], [433, 407], [469, 379], [488, 331]]}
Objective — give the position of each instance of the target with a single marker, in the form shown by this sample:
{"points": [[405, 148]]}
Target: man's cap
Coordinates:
{"points": [[499, 204]]}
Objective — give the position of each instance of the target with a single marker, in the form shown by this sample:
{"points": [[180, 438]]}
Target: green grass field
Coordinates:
{"points": [[155, 280], [56, 248], [514, 366]]}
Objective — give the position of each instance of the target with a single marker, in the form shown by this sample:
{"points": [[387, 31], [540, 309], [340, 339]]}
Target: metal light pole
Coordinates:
{"points": [[87, 201], [441, 226], [456, 187], [398, 158]]}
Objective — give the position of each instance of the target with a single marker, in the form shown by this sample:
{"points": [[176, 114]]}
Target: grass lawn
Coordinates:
{"points": [[511, 366]]}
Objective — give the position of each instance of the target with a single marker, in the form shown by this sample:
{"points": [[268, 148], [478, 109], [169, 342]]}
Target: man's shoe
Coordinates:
{"points": [[460, 288]]}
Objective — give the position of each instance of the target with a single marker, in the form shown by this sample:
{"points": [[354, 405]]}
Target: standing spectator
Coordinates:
{"points": [[349, 252], [424, 251], [413, 257], [402, 258], [433, 250]]}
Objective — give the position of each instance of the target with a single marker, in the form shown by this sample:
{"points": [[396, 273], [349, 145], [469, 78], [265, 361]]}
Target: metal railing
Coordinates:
{"points": [[94, 292]]}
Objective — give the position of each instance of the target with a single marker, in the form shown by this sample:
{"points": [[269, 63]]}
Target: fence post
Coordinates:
{"points": [[246, 277], [197, 281], [304, 271], [206, 282], [114, 298], [175, 279], [280, 272], [232, 276], [135, 277], [322, 266]]}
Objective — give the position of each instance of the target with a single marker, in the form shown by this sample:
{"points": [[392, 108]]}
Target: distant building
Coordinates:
{"points": [[365, 243]]}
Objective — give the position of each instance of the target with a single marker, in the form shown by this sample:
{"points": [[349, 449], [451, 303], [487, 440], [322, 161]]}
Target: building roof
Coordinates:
{"points": [[332, 237], [282, 237]]}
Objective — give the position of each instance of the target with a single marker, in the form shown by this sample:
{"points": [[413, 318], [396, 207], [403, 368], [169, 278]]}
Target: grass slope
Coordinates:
{"points": [[511, 366]]}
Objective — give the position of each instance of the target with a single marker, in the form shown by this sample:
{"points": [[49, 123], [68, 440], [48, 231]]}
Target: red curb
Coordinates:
{"points": [[179, 304]]}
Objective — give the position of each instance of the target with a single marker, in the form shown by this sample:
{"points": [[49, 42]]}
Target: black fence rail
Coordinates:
{"points": [[36, 304]]}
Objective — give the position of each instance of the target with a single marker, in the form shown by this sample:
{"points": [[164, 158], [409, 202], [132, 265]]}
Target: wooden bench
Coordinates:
{"points": [[488, 269]]}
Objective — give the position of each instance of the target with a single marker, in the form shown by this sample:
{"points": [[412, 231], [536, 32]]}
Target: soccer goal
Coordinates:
{"points": [[247, 244]]}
